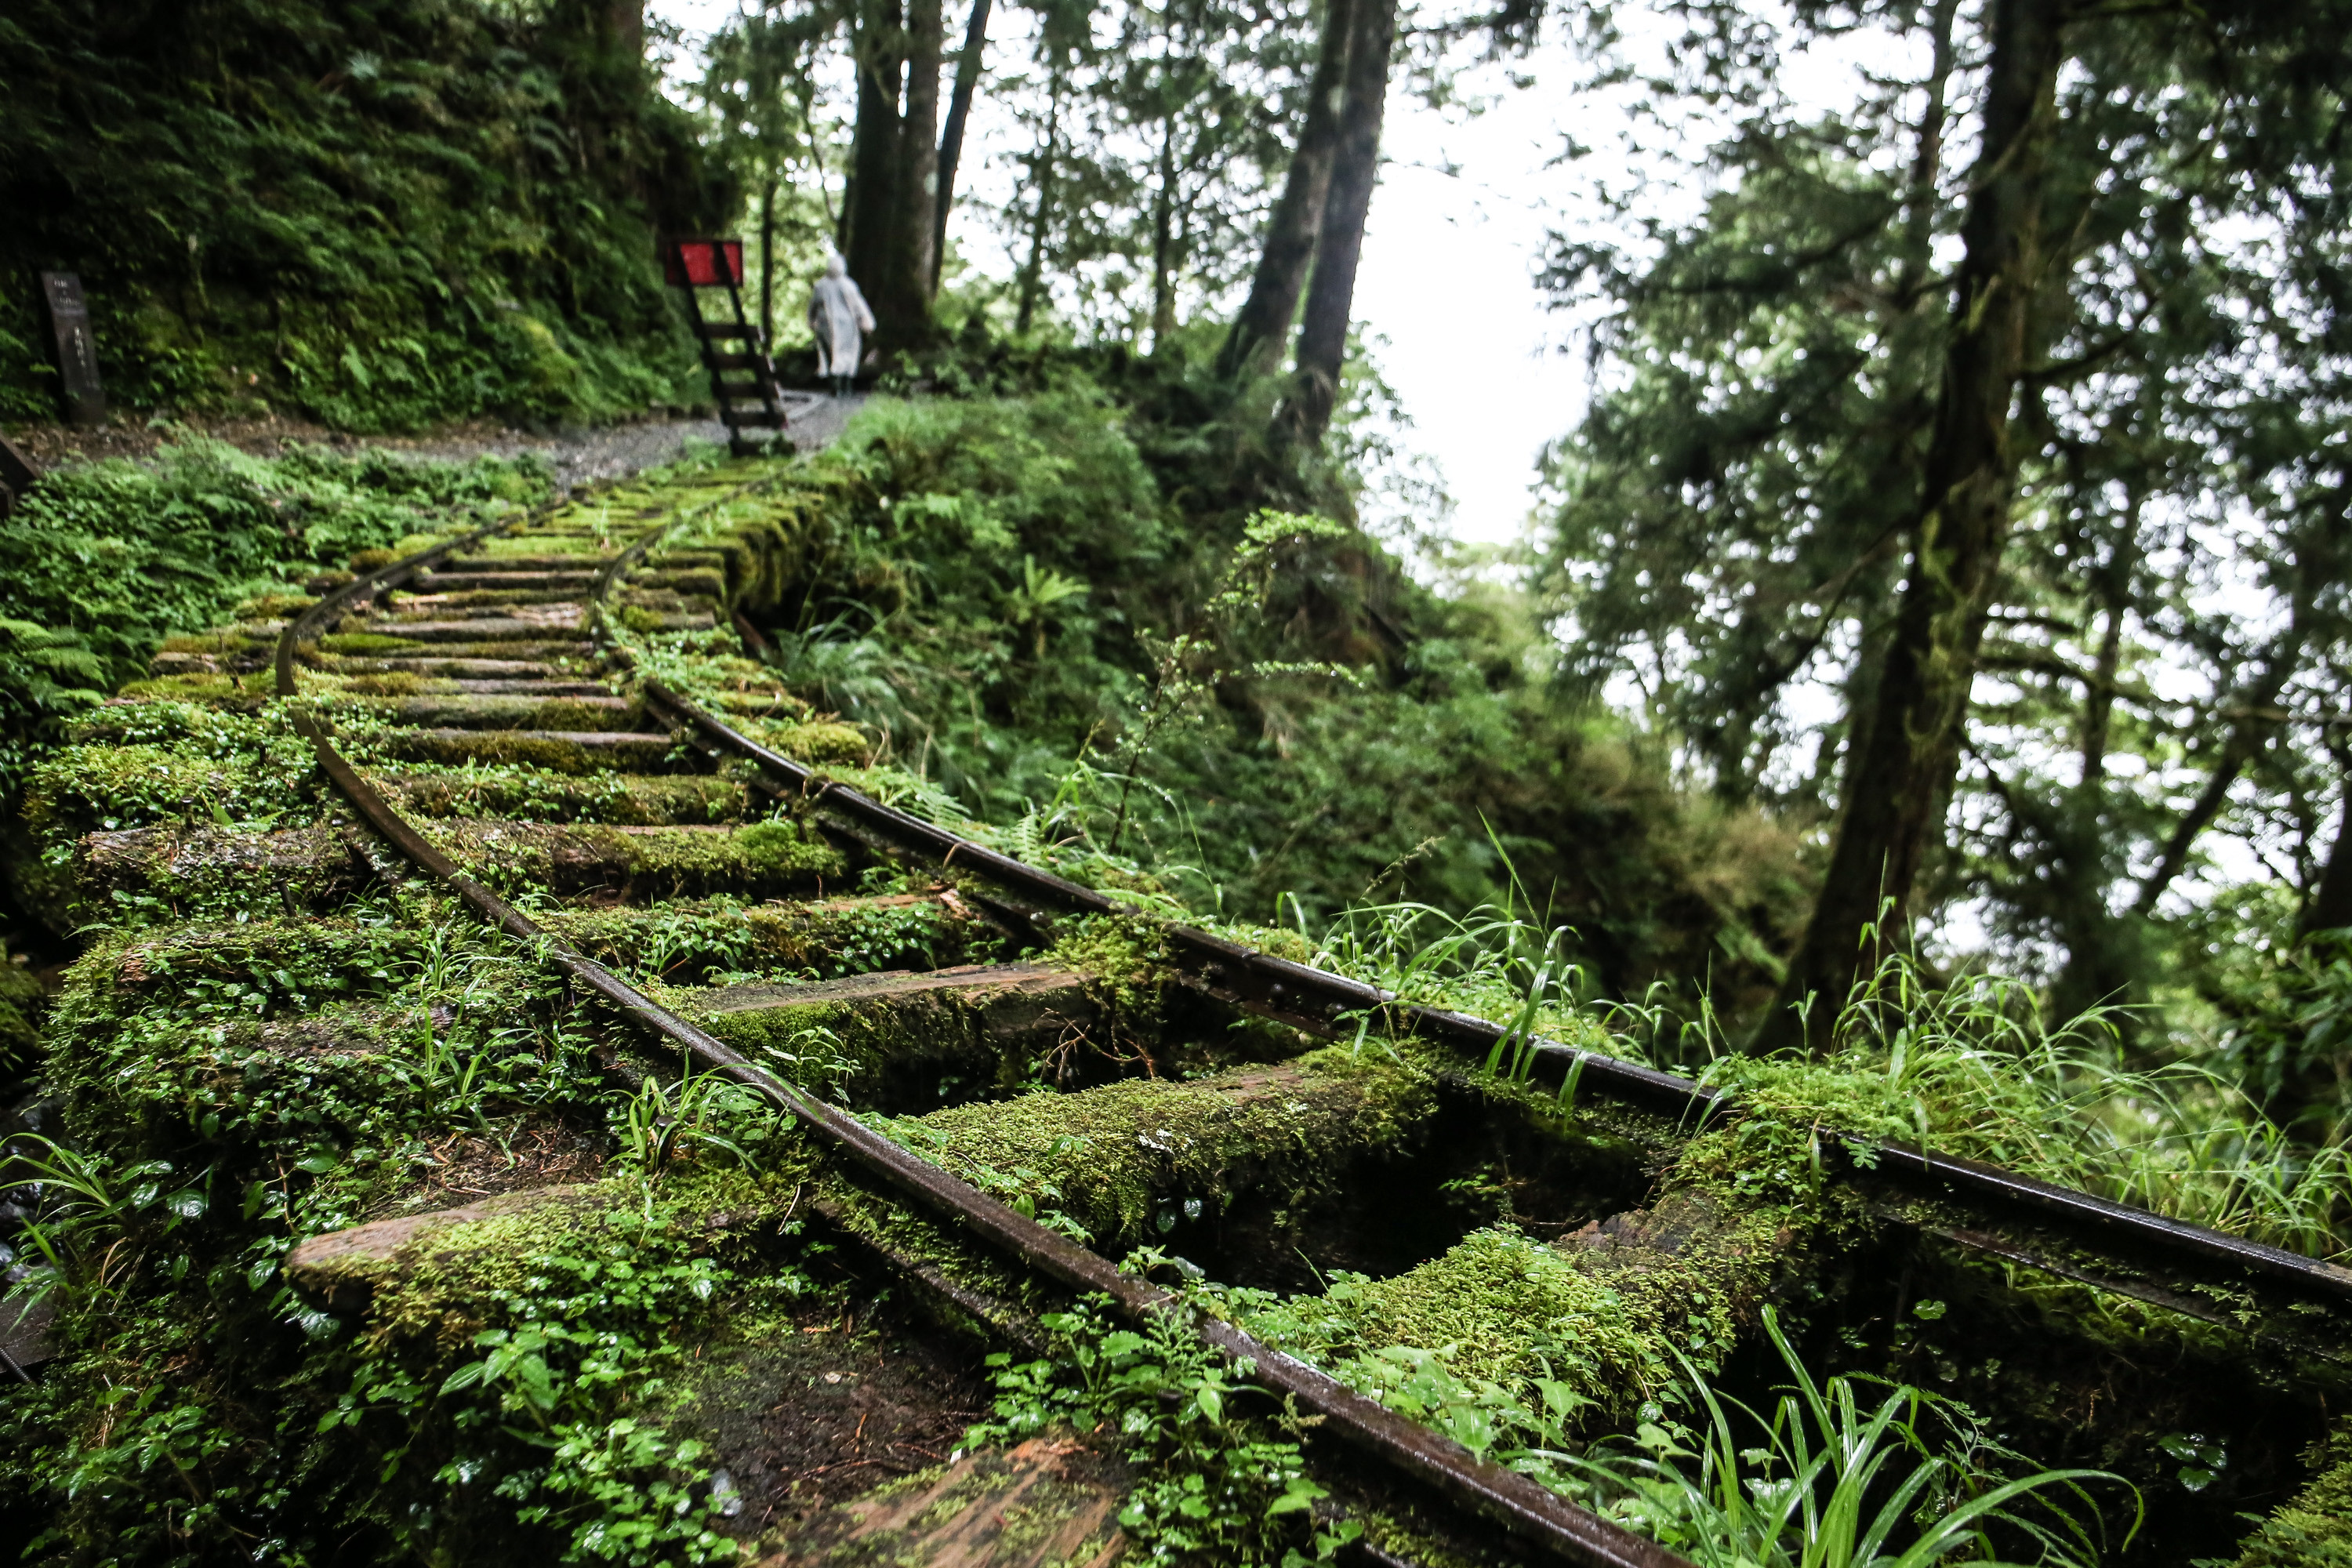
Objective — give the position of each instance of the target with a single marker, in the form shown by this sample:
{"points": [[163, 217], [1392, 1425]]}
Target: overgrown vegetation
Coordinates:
{"points": [[102, 563], [380, 217], [1007, 596]]}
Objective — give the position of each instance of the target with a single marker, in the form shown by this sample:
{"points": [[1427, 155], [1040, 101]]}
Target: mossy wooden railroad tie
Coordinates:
{"points": [[985, 1064]]}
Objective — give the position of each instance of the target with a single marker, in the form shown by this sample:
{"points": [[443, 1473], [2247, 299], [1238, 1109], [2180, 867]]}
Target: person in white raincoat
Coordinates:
{"points": [[838, 315]]}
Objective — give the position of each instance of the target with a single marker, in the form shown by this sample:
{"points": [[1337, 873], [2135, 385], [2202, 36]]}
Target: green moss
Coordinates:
{"points": [[443, 1282], [1609, 1319], [644, 862], [275, 606], [543, 794], [549, 753], [366, 643], [2313, 1531], [715, 941], [1112, 1157], [86, 789], [814, 742]]}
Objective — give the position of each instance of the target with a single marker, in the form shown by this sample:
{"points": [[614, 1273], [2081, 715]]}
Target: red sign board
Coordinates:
{"points": [[702, 263]]}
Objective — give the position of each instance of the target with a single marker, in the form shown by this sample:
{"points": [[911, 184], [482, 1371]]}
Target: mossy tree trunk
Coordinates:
{"points": [[1900, 768]]}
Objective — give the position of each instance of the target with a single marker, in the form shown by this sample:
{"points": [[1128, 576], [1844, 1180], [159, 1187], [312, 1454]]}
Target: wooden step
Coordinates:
{"points": [[1049, 1503], [520, 671], [468, 711], [505, 564], [478, 630], [498, 582], [563, 751], [899, 1030], [496, 687]]}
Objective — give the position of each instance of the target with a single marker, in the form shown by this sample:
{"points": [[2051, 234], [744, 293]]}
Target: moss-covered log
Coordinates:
{"points": [[902, 1041], [640, 800], [559, 751], [686, 942], [378, 644], [517, 712], [1606, 1311], [1131, 1162], [316, 868]]}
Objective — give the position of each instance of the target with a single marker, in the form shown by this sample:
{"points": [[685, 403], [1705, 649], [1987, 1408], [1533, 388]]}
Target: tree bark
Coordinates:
{"points": [[1899, 775], [626, 21], [2331, 907], [2098, 968], [1041, 178], [1163, 240], [967, 83], [1927, 157], [905, 309], [768, 266], [871, 200], [1355, 169], [1255, 342]]}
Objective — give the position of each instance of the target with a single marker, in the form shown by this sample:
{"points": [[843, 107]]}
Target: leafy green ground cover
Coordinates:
{"points": [[1033, 604], [380, 216], [105, 561]]}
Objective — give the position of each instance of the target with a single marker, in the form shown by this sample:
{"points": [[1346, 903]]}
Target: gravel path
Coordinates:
{"points": [[579, 455], [621, 449]]}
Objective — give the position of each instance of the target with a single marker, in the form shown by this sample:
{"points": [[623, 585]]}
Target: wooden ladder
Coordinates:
{"points": [[753, 404]]}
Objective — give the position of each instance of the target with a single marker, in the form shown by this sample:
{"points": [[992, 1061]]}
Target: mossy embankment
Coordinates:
{"points": [[380, 218]]}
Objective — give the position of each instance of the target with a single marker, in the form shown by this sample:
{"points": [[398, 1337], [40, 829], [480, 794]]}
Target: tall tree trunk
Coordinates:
{"points": [[1041, 179], [966, 83], [872, 199], [1256, 339], [1899, 775], [1164, 241], [2099, 967], [1928, 156], [768, 264], [1355, 169], [2331, 907], [904, 310], [626, 21]]}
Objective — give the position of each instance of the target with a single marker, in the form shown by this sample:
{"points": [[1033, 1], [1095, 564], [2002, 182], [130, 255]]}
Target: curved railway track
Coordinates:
{"points": [[499, 632]]}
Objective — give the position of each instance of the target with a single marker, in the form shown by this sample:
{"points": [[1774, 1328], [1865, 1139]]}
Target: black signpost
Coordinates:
{"points": [[85, 398]]}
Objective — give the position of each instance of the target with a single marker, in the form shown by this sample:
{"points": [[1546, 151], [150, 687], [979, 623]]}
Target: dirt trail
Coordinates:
{"points": [[579, 455]]}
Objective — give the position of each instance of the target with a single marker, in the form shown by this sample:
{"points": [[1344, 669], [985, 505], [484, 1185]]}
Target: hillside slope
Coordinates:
{"points": [[380, 216]]}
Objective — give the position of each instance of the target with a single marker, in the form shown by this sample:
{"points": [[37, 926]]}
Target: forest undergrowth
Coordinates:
{"points": [[985, 613]]}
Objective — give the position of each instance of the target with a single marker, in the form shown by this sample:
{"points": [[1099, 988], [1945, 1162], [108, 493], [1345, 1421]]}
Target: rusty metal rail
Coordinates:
{"points": [[1533, 1513]]}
